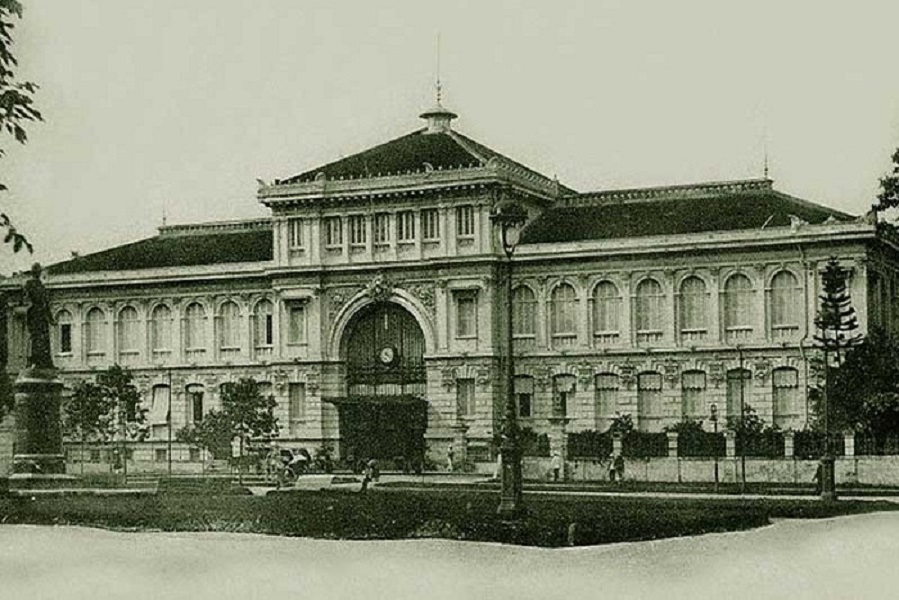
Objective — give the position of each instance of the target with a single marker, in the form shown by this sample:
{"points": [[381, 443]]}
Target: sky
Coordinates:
{"points": [[172, 107]]}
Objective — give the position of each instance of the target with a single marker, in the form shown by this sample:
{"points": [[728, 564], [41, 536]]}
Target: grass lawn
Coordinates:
{"points": [[425, 513]]}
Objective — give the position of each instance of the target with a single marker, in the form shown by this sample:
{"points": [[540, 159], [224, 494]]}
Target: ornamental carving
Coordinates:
{"points": [[671, 370], [337, 297], [313, 378], [425, 294], [585, 376], [483, 377], [716, 373], [448, 378], [543, 377], [761, 368], [379, 289], [628, 374]]}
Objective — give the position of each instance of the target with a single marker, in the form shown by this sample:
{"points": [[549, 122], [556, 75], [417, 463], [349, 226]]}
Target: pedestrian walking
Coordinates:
{"points": [[450, 455], [556, 465], [367, 474], [612, 469], [498, 469]]}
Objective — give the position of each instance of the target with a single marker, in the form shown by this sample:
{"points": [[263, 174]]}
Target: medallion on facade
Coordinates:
{"points": [[425, 295], [379, 289]]}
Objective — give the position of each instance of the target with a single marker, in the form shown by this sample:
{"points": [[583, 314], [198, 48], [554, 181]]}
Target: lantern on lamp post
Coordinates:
{"points": [[509, 220]]}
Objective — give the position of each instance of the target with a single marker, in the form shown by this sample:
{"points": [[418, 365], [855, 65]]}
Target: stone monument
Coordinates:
{"points": [[38, 458]]}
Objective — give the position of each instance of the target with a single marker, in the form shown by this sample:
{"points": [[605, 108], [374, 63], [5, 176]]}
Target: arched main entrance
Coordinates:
{"points": [[383, 414]]}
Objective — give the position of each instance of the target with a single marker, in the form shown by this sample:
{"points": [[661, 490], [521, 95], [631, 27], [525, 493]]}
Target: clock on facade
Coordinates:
{"points": [[387, 355]]}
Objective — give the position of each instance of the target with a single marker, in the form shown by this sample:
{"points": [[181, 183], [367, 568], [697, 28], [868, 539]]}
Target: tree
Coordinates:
{"points": [[836, 321], [245, 413], [16, 107], [126, 415], [88, 413], [864, 390], [889, 187], [213, 434]]}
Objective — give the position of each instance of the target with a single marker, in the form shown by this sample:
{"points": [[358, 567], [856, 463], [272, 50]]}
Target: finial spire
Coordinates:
{"points": [[765, 149], [439, 87]]}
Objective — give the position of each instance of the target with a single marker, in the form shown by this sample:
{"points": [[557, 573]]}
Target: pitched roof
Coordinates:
{"points": [[178, 247], [412, 152], [674, 210]]}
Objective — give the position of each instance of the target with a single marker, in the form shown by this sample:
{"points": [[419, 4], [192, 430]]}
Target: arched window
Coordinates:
{"points": [[606, 315], [785, 382], [786, 306], [563, 319], [738, 309], [739, 390], [195, 327], [95, 331], [563, 395], [129, 331], [649, 401], [693, 385], [524, 312], [264, 327], [606, 399], [161, 329], [64, 332], [649, 299], [694, 320], [229, 326]]}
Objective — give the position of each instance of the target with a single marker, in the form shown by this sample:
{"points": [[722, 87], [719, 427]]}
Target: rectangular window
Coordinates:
{"points": [[296, 405], [295, 233], [466, 314], [269, 330], [606, 385], [357, 230], [524, 395], [296, 326], [382, 229], [161, 455], [692, 390], [786, 388], [465, 401], [195, 399], [65, 337], [193, 455], [563, 394], [333, 232], [465, 221], [649, 401], [430, 225], [405, 226]]}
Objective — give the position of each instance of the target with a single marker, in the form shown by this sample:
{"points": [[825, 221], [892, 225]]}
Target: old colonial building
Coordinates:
{"points": [[370, 302]]}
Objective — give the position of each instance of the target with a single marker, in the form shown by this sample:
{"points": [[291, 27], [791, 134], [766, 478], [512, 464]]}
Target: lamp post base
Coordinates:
{"points": [[510, 503], [828, 479]]}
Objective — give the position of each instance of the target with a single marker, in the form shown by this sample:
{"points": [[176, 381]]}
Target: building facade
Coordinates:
{"points": [[370, 303]]}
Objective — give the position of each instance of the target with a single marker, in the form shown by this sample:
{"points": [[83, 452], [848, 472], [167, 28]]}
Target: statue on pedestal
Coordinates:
{"points": [[38, 319]]}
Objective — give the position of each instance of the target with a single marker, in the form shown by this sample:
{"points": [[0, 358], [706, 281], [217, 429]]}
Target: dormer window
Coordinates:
{"points": [[295, 234], [405, 227]]}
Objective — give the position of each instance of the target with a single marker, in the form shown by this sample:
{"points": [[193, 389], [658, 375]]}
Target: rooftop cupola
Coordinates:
{"points": [[438, 118]]}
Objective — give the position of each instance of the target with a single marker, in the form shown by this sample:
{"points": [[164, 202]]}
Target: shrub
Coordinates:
{"points": [[589, 444], [693, 440], [641, 444], [534, 444]]}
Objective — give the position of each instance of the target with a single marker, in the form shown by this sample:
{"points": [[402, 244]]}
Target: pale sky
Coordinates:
{"points": [[179, 106]]}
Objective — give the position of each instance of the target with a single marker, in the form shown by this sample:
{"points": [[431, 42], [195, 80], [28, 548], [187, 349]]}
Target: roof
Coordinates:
{"points": [[414, 152], [181, 246], [674, 210]]}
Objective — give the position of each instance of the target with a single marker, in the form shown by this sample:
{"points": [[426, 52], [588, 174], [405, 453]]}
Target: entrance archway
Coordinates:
{"points": [[383, 414]]}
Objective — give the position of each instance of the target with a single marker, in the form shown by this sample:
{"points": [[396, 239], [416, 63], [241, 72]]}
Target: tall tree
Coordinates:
{"points": [[17, 107], [836, 323], [128, 416], [88, 414]]}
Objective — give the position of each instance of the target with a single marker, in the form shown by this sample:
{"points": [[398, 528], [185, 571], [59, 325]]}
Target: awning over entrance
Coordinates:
{"points": [[393, 399]]}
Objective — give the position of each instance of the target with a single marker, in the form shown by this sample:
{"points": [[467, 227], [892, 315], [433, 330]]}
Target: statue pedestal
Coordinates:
{"points": [[38, 458]]}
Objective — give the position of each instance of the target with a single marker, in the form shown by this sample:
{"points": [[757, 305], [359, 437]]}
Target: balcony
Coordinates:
{"points": [[649, 337], [606, 338], [737, 334], [693, 336]]}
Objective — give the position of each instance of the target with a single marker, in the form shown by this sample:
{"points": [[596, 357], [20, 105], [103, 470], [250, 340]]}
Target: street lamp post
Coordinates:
{"points": [[714, 418], [742, 430], [510, 219]]}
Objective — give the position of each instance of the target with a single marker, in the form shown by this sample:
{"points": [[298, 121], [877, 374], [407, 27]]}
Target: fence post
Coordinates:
{"points": [[788, 444], [730, 443], [672, 444], [849, 443]]}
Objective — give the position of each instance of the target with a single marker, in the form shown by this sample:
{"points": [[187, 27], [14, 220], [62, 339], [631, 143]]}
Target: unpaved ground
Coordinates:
{"points": [[843, 558]]}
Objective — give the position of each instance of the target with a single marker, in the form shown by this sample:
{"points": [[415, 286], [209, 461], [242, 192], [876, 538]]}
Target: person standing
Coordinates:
{"points": [[619, 468], [450, 455], [556, 465], [612, 468]]}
